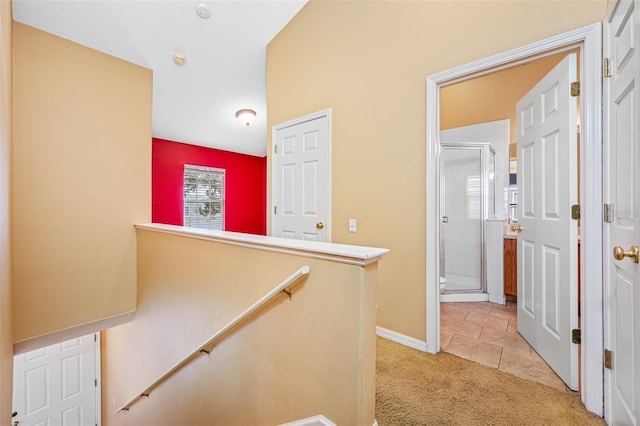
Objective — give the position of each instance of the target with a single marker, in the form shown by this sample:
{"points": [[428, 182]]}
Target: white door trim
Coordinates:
{"points": [[589, 38], [313, 116], [97, 344]]}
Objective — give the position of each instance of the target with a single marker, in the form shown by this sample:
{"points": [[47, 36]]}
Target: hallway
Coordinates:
{"points": [[487, 334]]}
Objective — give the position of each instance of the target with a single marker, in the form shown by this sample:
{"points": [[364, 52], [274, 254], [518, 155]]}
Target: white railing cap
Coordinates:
{"points": [[343, 253]]}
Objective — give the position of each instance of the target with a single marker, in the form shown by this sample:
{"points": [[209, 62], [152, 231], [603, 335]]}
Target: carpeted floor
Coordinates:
{"points": [[414, 388]]}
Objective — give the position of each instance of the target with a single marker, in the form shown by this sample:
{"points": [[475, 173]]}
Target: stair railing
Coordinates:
{"points": [[210, 343]]}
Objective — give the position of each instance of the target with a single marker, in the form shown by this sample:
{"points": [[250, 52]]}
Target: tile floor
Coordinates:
{"points": [[487, 333]]}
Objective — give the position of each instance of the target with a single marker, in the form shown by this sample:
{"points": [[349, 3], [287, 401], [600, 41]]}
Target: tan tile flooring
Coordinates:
{"points": [[487, 333]]}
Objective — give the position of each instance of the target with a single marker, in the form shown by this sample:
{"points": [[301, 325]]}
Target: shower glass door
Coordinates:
{"points": [[462, 208]]}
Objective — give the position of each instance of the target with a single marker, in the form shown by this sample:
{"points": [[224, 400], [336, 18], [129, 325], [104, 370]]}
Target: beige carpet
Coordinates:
{"points": [[414, 388]]}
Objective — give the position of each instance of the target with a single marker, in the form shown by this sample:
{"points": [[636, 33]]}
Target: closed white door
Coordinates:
{"points": [[57, 385], [301, 194], [548, 242], [622, 194]]}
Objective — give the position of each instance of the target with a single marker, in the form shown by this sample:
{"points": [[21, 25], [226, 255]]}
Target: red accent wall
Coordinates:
{"points": [[245, 187]]}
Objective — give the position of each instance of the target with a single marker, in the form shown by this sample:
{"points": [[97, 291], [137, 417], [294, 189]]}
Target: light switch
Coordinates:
{"points": [[353, 227]]}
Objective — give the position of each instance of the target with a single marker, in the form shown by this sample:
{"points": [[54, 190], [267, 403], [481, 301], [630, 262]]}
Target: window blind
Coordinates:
{"points": [[204, 197]]}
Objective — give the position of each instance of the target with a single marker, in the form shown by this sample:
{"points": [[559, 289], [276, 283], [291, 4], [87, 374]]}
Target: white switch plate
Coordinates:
{"points": [[353, 227]]}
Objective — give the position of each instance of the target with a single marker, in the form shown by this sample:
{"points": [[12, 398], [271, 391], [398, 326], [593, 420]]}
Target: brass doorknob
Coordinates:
{"points": [[320, 225], [634, 253], [516, 228]]}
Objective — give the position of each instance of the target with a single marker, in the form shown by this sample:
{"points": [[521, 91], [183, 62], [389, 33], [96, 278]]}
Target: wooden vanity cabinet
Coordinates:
{"points": [[510, 255]]}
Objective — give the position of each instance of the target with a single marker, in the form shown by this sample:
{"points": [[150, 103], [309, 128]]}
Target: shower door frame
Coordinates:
{"points": [[485, 148]]}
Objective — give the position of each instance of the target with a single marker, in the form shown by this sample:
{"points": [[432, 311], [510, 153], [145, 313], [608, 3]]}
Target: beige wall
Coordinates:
{"points": [[81, 179], [312, 355], [369, 62], [6, 339], [493, 96]]}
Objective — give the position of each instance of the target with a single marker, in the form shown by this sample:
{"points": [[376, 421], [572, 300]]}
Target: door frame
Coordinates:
{"points": [[589, 39], [299, 120]]}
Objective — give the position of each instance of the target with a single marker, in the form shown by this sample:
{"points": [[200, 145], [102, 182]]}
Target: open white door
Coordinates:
{"points": [[548, 242], [58, 385], [622, 194], [301, 196]]}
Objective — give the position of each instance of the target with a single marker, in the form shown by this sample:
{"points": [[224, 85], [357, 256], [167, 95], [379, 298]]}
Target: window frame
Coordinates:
{"points": [[209, 219]]}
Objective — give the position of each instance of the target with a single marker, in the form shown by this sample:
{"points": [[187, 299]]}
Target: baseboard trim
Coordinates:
{"points": [[402, 339], [319, 420], [464, 297]]}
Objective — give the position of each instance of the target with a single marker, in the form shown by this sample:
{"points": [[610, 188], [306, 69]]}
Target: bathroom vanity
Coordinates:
{"points": [[510, 267]]}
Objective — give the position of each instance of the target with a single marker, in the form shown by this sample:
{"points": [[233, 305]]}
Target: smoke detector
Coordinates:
{"points": [[179, 59], [203, 11]]}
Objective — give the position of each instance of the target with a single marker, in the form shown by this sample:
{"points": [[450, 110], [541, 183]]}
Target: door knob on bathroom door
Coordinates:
{"points": [[516, 228], [634, 253], [320, 225]]}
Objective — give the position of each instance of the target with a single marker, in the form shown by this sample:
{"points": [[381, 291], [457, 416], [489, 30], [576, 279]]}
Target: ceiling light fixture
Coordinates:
{"points": [[179, 59], [246, 116], [203, 11]]}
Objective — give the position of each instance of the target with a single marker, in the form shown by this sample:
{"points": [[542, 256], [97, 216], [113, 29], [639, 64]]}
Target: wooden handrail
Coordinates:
{"points": [[206, 346]]}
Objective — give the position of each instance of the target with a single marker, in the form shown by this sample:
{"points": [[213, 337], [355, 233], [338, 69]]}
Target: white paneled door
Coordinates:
{"points": [[548, 240], [301, 197], [622, 231], [57, 385]]}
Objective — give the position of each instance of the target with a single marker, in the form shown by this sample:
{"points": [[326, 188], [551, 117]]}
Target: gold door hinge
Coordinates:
{"points": [[576, 336], [575, 212], [606, 67], [575, 89], [607, 359], [606, 213]]}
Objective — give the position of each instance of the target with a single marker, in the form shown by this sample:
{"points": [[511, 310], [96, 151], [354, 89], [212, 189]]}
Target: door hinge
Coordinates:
{"points": [[607, 359], [575, 212], [606, 213], [576, 336], [95, 382], [275, 149], [275, 209], [575, 89], [606, 67]]}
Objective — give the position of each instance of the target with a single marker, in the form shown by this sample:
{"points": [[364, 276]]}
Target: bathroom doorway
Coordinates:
{"points": [[588, 42], [476, 331]]}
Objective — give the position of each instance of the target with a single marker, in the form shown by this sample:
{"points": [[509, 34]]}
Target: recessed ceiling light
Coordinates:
{"points": [[203, 11], [179, 59]]}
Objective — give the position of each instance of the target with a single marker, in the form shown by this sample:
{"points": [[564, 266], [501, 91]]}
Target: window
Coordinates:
{"points": [[204, 197]]}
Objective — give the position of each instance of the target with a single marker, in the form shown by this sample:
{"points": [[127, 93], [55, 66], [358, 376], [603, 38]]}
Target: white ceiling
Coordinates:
{"points": [[225, 68]]}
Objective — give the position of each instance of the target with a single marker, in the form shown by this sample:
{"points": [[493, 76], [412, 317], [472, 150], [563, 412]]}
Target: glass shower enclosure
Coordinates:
{"points": [[467, 194]]}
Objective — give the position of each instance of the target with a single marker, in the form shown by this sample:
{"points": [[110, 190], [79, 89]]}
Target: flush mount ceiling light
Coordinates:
{"points": [[246, 116], [179, 59], [203, 11]]}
